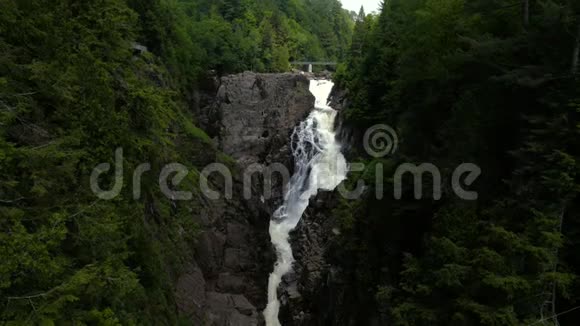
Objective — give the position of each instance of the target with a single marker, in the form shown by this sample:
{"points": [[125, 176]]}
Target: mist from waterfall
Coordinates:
{"points": [[319, 165]]}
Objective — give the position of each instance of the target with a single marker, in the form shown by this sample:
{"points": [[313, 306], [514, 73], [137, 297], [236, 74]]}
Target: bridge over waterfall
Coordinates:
{"points": [[309, 64]]}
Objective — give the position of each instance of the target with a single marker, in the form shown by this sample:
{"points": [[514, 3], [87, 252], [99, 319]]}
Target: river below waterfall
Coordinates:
{"points": [[319, 165]]}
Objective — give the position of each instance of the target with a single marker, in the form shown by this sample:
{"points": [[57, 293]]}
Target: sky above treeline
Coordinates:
{"points": [[354, 5]]}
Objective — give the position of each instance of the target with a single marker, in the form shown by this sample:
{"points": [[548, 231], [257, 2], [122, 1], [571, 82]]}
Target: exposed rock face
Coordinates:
{"points": [[318, 291], [258, 112], [251, 119], [306, 292], [254, 116]]}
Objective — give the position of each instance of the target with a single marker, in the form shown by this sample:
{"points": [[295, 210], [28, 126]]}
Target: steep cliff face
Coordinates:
{"points": [[258, 111], [250, 117]]}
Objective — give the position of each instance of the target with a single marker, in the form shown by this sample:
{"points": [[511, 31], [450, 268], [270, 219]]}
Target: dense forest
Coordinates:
{"points": [[489, 82], [81, 78], [495, 83]]}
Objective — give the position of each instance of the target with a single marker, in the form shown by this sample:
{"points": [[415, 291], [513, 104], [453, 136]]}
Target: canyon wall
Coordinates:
{"points": [[250, 118]]}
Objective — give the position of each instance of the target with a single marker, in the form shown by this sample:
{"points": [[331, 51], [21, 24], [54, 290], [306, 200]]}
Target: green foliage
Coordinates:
{"points": [[232, 36], [72, 91], [470, 81], [80, 79]]}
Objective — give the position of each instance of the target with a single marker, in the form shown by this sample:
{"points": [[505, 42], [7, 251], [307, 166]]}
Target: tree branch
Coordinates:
{"points": [[3, 201], [33, 296]]}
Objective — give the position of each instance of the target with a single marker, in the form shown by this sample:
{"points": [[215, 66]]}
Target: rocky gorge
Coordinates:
{"points": [[250, 117]]}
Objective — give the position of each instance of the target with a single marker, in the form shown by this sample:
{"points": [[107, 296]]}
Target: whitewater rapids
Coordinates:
{"points": [[319, 164]]}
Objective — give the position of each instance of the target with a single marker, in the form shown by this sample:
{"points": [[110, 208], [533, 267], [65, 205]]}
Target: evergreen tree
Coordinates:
{"points": [[471, 82]]}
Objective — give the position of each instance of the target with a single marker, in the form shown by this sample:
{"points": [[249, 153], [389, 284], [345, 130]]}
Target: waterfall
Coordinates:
{"points": [[319, 164]]}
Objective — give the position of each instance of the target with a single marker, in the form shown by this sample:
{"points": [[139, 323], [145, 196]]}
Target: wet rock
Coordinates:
{"points": [[190, 294], [250, 117], [227, 309], [210, 251], [259, 110], [237, 235], [243, 305], [237, 259], [228, 282]]}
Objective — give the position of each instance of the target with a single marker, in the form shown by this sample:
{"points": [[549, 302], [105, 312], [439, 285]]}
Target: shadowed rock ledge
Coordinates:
{"points": [[250, 117]]}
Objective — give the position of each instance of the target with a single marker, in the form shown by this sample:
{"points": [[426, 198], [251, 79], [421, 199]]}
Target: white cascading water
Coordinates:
{"points": [[319, 164]]}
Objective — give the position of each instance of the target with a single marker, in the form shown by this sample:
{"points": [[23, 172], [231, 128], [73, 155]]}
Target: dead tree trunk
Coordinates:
{"points": [[526, 12], [560, 225], [548, 309], [576, 53]]}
